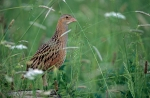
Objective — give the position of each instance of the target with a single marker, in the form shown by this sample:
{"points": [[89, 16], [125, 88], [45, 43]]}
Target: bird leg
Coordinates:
{"points": [[45, 84], [56, 85], [12, 85]]}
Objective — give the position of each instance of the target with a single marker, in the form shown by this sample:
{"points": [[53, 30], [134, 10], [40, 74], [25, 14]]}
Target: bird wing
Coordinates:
{"points": [[44, 54]]}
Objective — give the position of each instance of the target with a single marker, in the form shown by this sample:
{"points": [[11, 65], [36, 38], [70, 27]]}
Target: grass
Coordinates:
{"points": [[123, 45]]}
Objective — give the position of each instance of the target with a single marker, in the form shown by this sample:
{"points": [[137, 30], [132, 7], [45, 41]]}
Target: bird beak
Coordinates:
{"points": [[73, 20]]}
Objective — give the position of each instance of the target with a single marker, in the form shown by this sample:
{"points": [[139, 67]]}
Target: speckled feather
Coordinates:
{"points": [[52, 53]]}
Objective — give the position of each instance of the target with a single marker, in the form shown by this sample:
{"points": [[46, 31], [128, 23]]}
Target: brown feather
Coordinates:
{"points": [[52, 53]]}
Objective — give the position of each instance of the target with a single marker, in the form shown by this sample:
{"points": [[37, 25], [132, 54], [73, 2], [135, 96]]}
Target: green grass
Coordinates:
{"points": [[123, 45]]}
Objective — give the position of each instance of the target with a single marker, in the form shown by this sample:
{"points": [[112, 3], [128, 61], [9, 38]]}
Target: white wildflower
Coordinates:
{"points": [[12, 45], [32, 73], [114, 14], [18, 47], [9, 79], [38, 25], [4, 42], [8, 46]]}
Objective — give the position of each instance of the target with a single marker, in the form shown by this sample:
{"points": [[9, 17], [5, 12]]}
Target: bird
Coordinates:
{"points": [[52, 53]]}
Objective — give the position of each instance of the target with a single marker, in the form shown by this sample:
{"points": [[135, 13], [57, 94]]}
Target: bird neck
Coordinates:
{"points": [[60, 29]]}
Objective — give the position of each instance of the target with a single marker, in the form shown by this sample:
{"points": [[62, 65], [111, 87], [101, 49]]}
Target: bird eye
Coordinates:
{"points": [[67, 17]]}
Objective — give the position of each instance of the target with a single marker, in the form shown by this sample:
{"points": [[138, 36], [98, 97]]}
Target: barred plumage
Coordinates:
{"points": [[52, 53]]}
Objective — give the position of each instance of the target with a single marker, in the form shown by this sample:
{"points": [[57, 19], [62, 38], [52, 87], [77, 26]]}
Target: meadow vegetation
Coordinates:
{"points": [[111, 58]]}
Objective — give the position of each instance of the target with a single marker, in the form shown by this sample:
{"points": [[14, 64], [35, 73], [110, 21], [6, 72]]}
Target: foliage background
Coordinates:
{"points": [[123, 45]]}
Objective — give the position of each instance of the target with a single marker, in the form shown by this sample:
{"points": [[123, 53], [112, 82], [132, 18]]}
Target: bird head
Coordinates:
{"points": [[67, 19]]}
